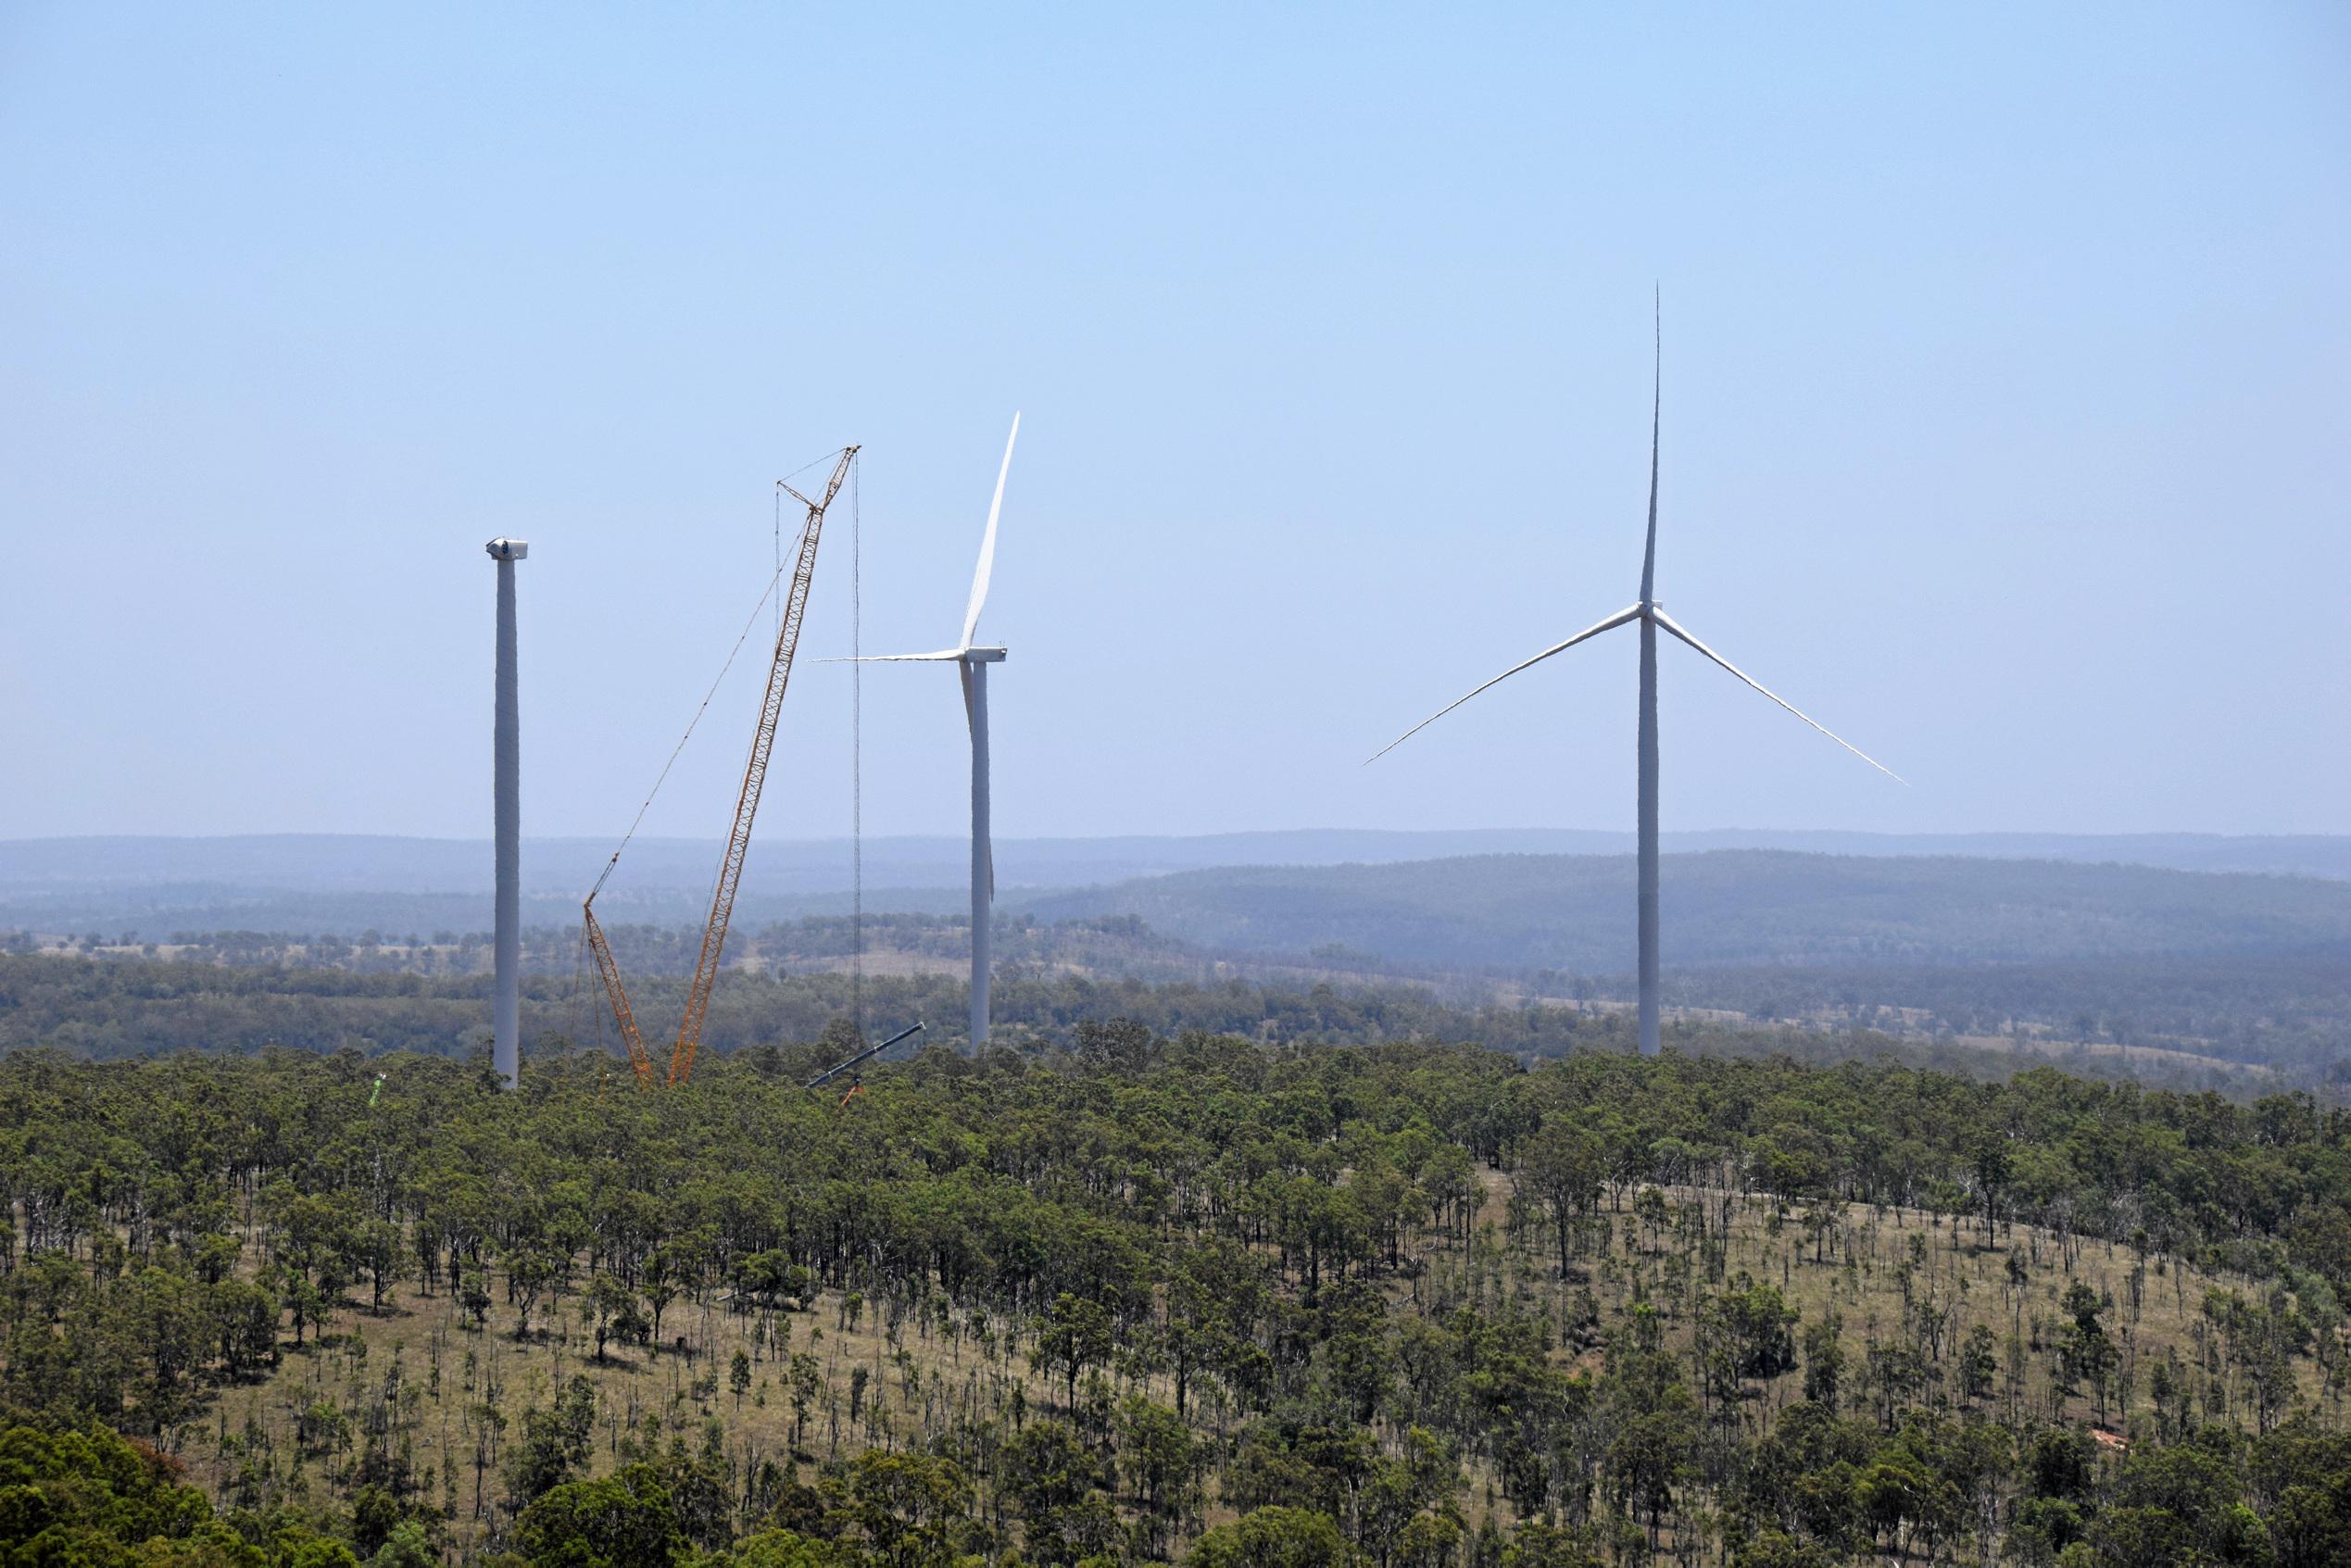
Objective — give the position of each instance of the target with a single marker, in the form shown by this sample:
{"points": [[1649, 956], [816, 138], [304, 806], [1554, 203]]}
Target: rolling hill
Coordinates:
{"points": [[1573, 912], [350, 883]]}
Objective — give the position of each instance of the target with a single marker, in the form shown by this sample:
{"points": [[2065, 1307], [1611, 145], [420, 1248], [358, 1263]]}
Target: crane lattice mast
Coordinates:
{"points": [[746, 805]]}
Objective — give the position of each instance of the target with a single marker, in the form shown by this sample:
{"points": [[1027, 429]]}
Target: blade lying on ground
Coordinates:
{"points": [[987, 542], [1667, 621], [1615, 621]]}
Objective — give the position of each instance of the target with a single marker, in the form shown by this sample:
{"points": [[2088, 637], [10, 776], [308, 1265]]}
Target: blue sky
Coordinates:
{"points": [[2007, 376]]}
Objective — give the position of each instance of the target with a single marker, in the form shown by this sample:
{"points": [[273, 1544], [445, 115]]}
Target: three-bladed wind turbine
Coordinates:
{"points": [[970, 663], [1651, 616]]}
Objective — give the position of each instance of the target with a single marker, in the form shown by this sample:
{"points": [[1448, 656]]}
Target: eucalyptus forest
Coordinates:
{"points": [[1136, 1297]]}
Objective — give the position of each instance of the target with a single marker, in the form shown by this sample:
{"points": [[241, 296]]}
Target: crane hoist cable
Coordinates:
{"points": [[746, 805], [857, 753]]}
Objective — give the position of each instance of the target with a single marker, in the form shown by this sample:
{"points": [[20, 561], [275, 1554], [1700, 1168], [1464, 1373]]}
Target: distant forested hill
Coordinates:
{"points": [[1572, 912], [347, 882]]}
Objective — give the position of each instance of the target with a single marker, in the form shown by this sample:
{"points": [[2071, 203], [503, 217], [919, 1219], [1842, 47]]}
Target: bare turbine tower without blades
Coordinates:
{"points": [[506, 795], [1651, 617], [972, 662]]}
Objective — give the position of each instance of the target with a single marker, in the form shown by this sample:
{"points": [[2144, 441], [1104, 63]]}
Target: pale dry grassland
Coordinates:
{"points": [[422, 1375]]}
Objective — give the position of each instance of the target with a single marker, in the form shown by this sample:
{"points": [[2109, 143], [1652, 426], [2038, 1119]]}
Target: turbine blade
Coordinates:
{"points": [[1667, 621], [987, 542], [1615, 621], [942, 657], [1656, 405]]}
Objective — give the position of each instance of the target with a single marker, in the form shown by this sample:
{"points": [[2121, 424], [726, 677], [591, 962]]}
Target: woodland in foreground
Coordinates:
{"points": [[1196, 1299]]}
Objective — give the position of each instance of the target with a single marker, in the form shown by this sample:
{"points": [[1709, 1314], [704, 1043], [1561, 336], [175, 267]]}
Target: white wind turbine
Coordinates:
{"points": [[971, 664], [1651, 615]]}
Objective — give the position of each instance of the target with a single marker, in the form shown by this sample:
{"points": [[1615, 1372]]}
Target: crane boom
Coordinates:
{"points": [[609, 972], [779, 673], [738, 842]]}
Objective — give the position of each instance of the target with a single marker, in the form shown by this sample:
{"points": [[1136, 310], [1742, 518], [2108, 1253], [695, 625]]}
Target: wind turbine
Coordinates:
{"points": [[970, 663], [1651, 616]]}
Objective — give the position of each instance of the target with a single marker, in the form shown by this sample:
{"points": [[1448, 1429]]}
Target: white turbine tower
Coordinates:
{"points": [[970, 663], [1652, 616]]}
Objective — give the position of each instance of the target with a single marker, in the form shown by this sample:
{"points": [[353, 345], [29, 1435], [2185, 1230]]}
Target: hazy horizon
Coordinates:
{"points": [[42, 880]]}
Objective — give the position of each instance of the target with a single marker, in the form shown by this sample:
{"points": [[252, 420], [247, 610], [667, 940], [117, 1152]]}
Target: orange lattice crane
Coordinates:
{"points": [[706, 968]]}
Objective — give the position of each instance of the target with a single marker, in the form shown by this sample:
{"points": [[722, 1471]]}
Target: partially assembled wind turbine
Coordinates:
{"points": [[1651, 615], [970, 663]]}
